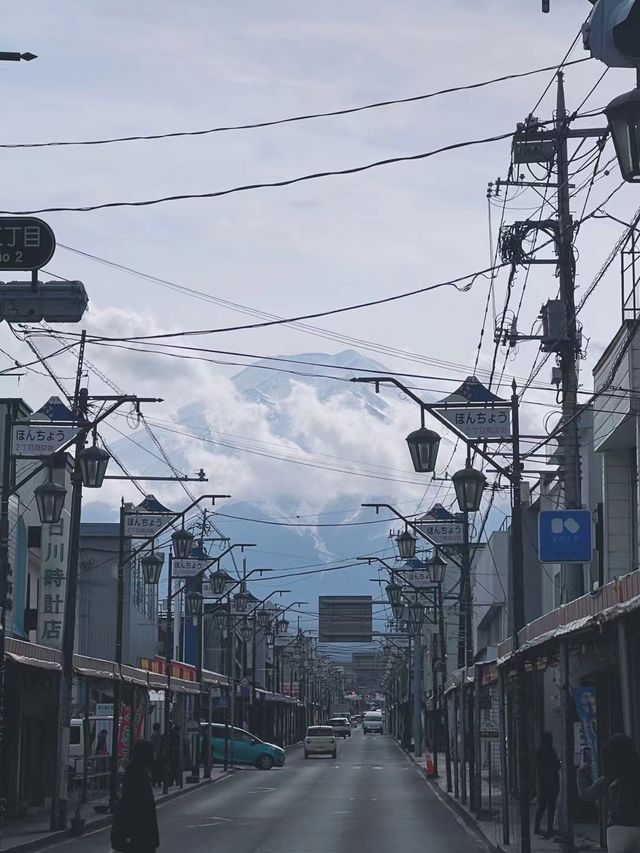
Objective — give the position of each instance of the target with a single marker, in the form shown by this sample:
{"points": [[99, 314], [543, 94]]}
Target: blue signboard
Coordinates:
{"points": [[564, 536]]}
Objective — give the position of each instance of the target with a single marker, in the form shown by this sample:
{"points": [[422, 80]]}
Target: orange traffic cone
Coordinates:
{"points": [[428, 764]]}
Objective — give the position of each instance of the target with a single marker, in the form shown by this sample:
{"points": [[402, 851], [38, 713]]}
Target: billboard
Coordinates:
{"points": [[345, 619]]}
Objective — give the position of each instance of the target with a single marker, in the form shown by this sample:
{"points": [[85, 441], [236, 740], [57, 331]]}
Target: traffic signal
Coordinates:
{"points": [[612, 33]]}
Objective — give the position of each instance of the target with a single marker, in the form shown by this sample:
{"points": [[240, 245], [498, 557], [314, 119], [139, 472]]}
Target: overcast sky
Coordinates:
{"points": [[123, 68]]}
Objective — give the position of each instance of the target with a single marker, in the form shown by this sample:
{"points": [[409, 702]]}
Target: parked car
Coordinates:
{"points": [[341, 726], [320, 740], [247, 748], [372, 722]]}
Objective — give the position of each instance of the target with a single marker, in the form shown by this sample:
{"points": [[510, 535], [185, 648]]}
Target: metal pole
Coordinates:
{"points": [[519, 619], [168, 655], [59, 799], [504, 767], [477, 745], [232, 676], [5, 568], [417, 695], [117, 685], [445, 703], [229, 686]]}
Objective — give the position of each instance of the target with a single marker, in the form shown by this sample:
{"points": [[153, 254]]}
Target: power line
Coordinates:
{"points": [[291, 119], [287, 182]]}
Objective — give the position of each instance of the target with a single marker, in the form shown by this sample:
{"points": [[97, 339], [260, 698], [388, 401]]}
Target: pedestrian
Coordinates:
{"points": [[135, 826], [548, 767], [102, 747], [157, 742], [174, 755], [620, 788]]}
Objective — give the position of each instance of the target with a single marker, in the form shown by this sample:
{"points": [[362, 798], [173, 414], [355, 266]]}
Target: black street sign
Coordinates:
{"points": [[25, 243]]}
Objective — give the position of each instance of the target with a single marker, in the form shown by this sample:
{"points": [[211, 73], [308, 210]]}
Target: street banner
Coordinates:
{"points": [[586, 751], [124, 732]]}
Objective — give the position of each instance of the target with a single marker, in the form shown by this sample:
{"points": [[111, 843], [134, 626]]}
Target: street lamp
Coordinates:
{"points": [[182, 543], [92, 462], [283, 626], [437, 568], [193, 604], [623, 114], [415, 612], [246, 631], [263, 618], [394, 593], [219, 582], [50, 502], [152, 564], [469, 485], [406, 545], [241, 600], [219, 619], [423, 447]]}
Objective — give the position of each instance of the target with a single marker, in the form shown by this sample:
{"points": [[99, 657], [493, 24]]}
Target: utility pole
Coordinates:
{"points": [[572, 575], [65, 685]]}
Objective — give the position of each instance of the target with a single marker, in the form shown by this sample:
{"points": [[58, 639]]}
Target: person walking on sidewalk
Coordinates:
{"points": [[135, 825], [548, 766], [157, 742], [620, 787]]}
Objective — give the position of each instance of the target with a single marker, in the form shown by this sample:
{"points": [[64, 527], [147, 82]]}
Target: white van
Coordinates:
{"points": [[100, 733], [372, 722]]}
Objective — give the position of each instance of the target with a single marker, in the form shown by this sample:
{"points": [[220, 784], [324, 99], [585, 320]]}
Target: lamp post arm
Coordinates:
{"points": [[413, 526], [176, 517], [433, 411], [83, 431]]}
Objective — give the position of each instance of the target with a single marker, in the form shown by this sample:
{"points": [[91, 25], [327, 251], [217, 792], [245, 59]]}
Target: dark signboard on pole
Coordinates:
{"points": [[26, 243], [345, 619]]}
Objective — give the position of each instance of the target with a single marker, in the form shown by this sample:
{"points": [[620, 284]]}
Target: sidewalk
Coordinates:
{"points": [[33, 832], [489, 825]]}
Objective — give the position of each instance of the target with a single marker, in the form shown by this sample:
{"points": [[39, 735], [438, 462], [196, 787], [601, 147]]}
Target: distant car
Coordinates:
{"points": [[320, 740], [341, 726], [247, 748], [372, 722]]}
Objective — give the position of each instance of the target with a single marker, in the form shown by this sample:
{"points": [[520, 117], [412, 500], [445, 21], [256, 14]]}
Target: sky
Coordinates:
{"points": [[126, 69]]}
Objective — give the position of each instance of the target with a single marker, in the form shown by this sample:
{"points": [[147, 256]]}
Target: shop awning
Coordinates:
{"points": [[607, 604], [37, 662]]}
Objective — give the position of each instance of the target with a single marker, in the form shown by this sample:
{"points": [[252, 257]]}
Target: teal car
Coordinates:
{"points": [[247, 748]]}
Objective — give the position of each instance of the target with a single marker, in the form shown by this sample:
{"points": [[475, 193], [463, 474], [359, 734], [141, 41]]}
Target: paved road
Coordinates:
{"points": [[369, 800]]}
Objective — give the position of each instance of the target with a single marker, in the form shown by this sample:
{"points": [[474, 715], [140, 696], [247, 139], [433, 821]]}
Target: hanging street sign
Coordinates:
{"points": [[441, 532], [481, 422], [189, 568], [40, 440], [419, 578], [283, 639], [26, 243], [143, 525], [564, 536]]}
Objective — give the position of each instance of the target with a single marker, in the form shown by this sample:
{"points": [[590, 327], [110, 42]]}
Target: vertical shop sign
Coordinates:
{"points": [[53, 586]]}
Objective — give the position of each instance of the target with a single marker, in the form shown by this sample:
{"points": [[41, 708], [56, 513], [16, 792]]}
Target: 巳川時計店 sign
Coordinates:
{"points": [[40, 440], [481, 421], [26, 243]]}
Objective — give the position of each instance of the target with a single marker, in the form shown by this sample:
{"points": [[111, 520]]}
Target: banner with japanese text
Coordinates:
{"points": [[53, 583]]}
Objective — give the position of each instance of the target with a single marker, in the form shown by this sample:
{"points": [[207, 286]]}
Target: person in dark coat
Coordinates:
{"points": [[135, 826], [548, 766]]}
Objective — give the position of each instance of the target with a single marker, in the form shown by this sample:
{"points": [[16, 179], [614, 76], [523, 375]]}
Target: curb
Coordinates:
{"points": [[447, 800], [102, 822]]}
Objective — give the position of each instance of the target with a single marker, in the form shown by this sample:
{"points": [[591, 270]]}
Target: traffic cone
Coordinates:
{"points": [[428, 764]]}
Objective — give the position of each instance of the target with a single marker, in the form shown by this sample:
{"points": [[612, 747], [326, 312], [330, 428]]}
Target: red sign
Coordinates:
{"points": [[185, 671], [124, 732]]}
